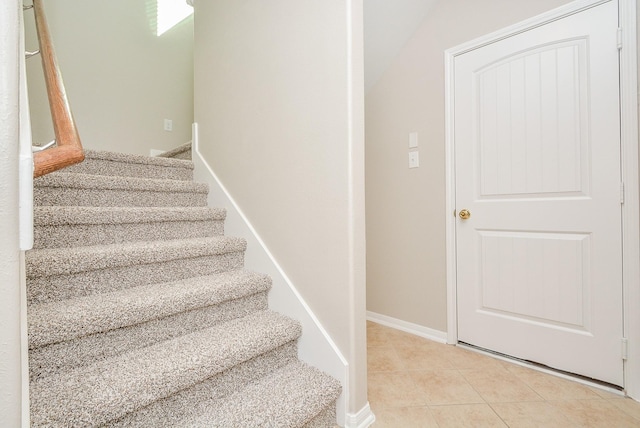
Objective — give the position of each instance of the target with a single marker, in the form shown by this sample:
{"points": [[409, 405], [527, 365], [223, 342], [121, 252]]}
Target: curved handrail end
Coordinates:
{"points": [[55, 159]]}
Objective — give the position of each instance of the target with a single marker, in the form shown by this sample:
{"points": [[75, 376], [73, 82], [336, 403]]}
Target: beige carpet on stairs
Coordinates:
{"points": [[141, 313], [181, 152]]}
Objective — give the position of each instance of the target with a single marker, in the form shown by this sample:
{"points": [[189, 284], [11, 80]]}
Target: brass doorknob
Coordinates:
{"points": [[465, 214]]}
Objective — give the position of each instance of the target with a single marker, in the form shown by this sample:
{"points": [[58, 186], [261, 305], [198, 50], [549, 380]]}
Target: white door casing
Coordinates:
{"points": [[536, 130]]}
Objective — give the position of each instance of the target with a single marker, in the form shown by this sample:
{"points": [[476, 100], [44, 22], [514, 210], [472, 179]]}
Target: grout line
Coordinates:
{"points": [[498, 414]]}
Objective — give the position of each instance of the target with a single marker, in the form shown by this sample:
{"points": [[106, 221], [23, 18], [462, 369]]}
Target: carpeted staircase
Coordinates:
{"points": [[181, 152], [141, 314]]}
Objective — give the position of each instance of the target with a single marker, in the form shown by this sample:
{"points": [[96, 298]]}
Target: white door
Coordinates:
{"points": [[537, 165]]}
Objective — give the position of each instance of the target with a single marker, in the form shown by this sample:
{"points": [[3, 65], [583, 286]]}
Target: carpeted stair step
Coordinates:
{"points": [[64, 356], [128, 165], [181, 152], [69, 189], [289, 397], [75, 318], [109, 389], [64, 273], [324, 419], [83, 226], [75, 332], [171, 411]]}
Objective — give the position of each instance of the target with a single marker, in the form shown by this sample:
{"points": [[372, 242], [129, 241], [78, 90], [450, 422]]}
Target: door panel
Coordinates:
{"points": [[537, 159], [538, 277], [530, 108]]}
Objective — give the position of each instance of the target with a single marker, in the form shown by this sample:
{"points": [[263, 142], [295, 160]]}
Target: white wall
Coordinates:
{"points": [[10, 286], [122, 80], [387, 27], [279, 104], [406, 207]]}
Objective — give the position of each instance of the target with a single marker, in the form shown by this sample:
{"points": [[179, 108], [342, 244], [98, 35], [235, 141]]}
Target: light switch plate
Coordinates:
{"points": [[414, 159], [413, 140]]}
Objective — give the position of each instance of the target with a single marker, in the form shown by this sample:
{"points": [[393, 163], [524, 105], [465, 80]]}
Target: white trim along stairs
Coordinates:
{"points": [[141, 313]]}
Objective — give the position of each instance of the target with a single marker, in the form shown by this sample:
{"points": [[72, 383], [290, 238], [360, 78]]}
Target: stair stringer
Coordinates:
{"points": [[315, 346]]}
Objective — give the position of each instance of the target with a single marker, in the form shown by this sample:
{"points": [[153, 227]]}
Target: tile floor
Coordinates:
{"points": [[415, 382]]}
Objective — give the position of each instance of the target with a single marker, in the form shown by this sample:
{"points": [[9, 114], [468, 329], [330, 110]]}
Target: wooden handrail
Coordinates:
{"points": [[68, 150]]}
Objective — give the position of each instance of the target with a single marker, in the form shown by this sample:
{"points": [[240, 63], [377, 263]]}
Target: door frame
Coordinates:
{"points": [[629, 163]]}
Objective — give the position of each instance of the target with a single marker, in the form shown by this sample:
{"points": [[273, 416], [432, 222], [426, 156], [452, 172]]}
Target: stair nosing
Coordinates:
{"points": [[177, 150], [89, 215], [139, 159], [54, 322], [47, 262], [72, 180]]}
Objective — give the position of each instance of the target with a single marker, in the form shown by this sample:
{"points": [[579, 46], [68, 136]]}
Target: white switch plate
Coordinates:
{"points": [[413, 140], [168, 125], [414, 159]]}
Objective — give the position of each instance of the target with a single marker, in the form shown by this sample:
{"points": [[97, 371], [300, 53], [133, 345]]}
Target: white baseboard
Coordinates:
{"points": [[363, 419], [315, 347], [418, 330]]}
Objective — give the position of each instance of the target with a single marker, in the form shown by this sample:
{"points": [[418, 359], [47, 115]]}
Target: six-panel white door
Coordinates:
{"points": [[537, 164]]}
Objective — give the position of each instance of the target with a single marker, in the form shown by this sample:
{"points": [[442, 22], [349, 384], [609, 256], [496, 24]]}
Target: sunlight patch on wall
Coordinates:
{"points": [[170, 13]]}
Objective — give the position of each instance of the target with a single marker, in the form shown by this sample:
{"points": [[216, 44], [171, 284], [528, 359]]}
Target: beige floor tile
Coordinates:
{"points": [[507, 364], [377, 335], [533, 414], [399, 337], [465, 359], [383, 359], [628, 406], [466, 415], [551, 387], [405, 417], [423, 357], [393, 389], [594, 414], [499, 386], [445, 387], [606, 394], [403, 336], [417, 382], [407, 339]]}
